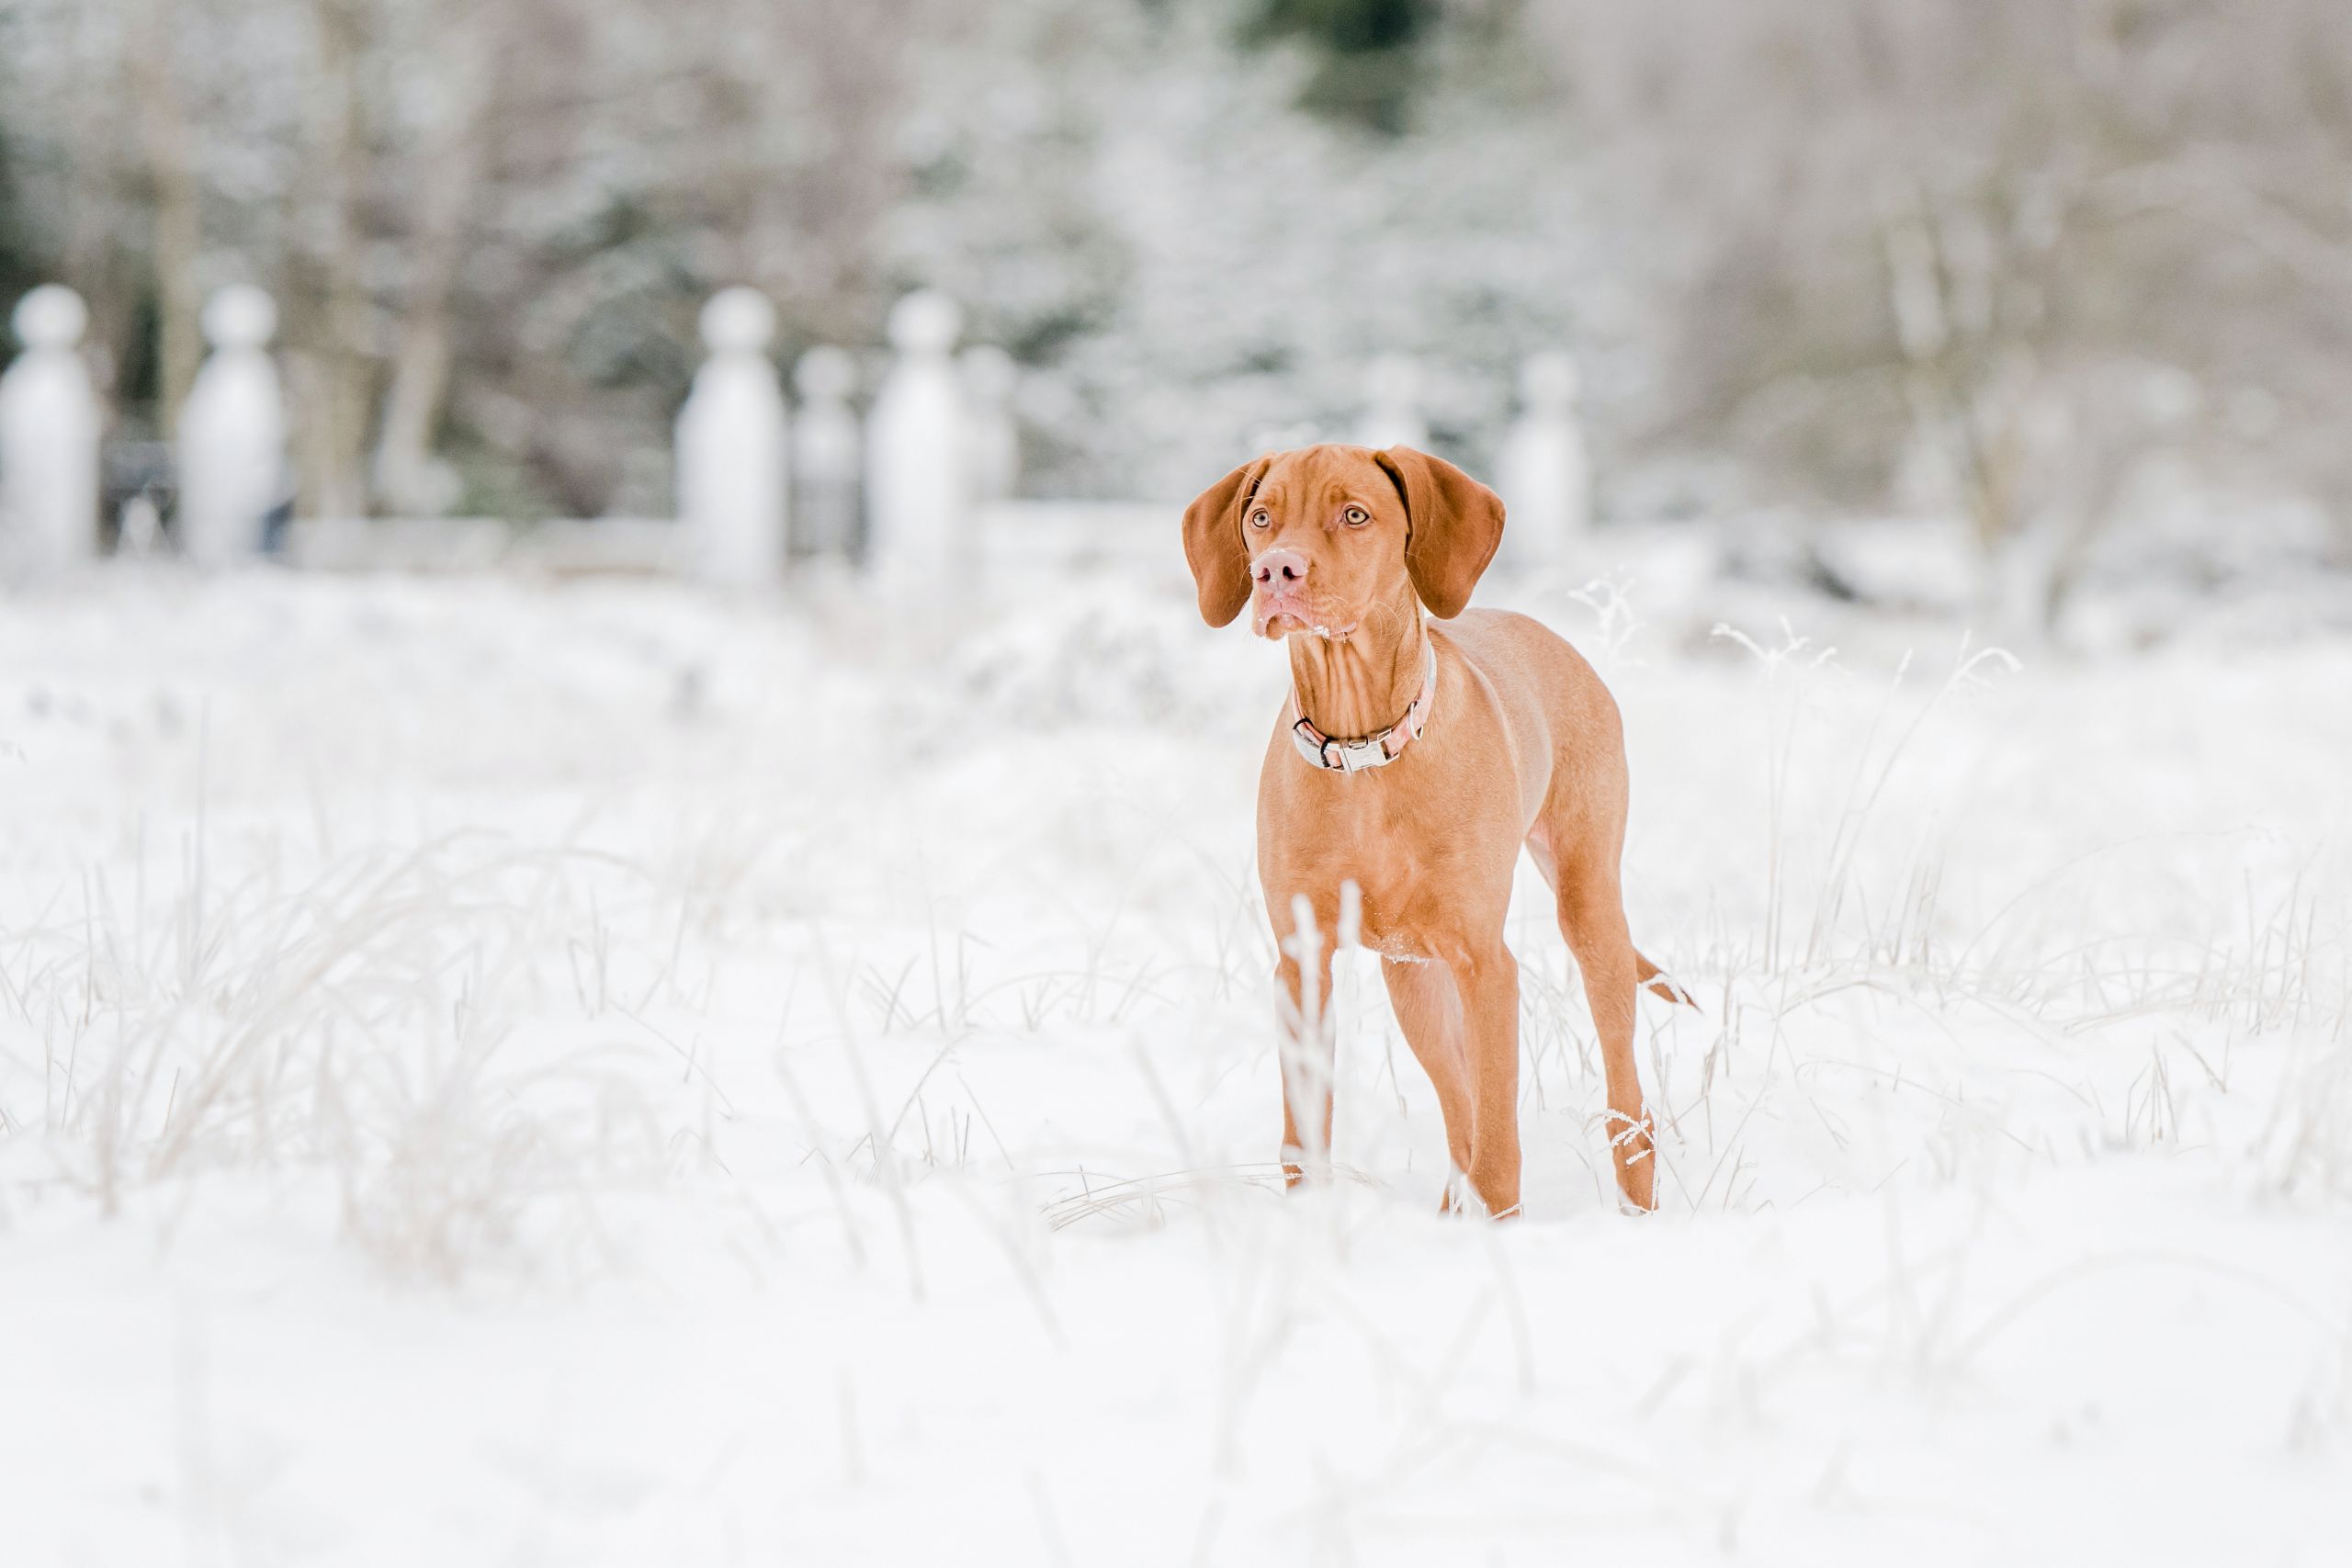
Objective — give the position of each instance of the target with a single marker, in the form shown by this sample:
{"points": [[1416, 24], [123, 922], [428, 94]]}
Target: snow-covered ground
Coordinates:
{"points": [[595, 1074]]}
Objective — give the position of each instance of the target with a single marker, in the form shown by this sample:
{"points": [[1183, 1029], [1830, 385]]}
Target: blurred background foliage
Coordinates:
{"points": [[1367, 53], [2030, 262]]}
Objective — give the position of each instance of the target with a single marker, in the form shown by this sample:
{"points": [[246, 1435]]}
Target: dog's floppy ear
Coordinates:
{"points": [[1454, 525], [1213, 542]]}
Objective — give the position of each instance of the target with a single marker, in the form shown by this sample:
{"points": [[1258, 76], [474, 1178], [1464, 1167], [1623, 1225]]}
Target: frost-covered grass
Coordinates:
{"points": [[497, 1073]]}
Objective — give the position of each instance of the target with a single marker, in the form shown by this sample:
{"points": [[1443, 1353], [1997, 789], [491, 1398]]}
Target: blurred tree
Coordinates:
{"points": [[2000, 253], [464, 61], [21, 265], [1998, 256], [1003, 205], [489, 224], [1369, 53], [1190, 266], [176, 239]]}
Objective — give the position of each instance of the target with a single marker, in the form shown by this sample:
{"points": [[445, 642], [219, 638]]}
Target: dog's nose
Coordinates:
{"points": [[1279, 568]]}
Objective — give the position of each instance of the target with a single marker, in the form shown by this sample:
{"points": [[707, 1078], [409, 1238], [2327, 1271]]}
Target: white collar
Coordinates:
{"points": [[1373, 751]]}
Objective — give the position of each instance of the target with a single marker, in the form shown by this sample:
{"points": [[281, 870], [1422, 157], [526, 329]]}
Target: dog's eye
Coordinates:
{"points": [[1357, 517], [1261, 518]]}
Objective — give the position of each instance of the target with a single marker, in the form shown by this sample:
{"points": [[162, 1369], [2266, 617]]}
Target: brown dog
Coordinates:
{"points": [[1473, 735]]}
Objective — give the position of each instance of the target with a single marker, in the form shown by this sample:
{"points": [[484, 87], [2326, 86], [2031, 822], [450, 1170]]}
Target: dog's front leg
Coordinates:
{"points": [[1429, 1011], [1487, 978], [1304, 1040]]}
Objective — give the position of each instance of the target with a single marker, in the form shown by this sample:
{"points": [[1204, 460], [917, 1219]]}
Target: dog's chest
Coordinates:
{"points": [[1392, 857]]}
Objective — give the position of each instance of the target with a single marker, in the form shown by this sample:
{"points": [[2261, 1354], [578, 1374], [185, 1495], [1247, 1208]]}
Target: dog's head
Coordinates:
{"points": [[1316, 539]]}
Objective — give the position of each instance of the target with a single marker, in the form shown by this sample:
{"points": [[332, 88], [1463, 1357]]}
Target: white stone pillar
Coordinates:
{"points": [[1391, 415], [826, 456], [49, 439], [732, 443], [991, 439], [918, 487], [1544, 476], [232, 449]]}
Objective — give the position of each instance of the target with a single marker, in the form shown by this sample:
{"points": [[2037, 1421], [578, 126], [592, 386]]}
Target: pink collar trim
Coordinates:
{"points": [[1373, 751]]}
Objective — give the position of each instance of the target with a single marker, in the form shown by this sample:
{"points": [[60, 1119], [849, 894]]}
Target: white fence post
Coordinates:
{"points": [[918, 488], [991, 439], [49, 439], [1544, 476], [232, 455], [1392, 414], [732, 442], [826, 454]]}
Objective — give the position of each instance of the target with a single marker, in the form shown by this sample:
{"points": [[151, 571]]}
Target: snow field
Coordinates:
{"points": [[496, 1072]]}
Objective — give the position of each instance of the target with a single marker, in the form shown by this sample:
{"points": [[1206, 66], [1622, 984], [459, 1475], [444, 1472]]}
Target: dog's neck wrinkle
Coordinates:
{"points": [[1360, 684]]}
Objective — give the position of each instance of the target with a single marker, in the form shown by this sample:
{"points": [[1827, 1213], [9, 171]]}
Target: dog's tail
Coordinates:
{"points": [[1656, 981]]}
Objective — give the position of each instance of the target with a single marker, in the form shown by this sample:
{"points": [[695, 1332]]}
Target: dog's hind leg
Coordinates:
{"points": [[1651, 978], [1592, 919]]}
